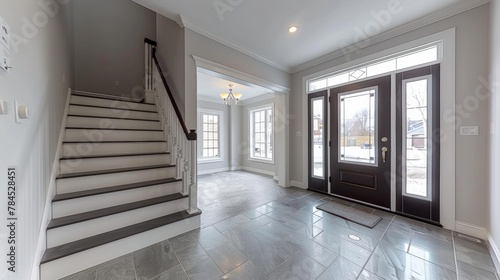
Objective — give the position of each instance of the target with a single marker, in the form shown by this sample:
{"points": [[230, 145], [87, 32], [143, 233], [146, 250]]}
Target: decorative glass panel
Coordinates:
{"points": [[319, 84], [418, 58], [416, 164], [318, 116], [357, 127], [357, 74], [381, 68], [339, 79]]}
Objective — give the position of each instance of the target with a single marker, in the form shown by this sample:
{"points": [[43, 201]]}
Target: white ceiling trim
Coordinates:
{"points": [[256, 99], [187, 23], [430, 19], [242, 77]]}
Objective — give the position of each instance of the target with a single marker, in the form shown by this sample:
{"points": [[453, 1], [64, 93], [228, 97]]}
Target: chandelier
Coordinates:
{"points": [[230, 98]]}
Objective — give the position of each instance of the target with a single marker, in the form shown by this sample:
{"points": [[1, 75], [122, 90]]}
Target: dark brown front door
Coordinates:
{"points": [[361, 141]]}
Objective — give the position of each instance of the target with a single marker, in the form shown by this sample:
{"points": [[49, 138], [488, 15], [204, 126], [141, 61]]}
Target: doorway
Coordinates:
{"points": [[357, 127]]}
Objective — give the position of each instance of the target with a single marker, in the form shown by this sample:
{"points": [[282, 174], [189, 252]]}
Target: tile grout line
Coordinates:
{"points": [[376, 246], [455, 254]]}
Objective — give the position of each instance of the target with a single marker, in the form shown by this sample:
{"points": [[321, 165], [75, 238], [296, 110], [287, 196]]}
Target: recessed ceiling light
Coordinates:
{"points": [[292, 29]]}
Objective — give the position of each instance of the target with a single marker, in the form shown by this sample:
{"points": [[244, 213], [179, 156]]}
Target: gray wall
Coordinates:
{"points": [[109, 46], [495, 138], [205, 167], [40, 59], [170, 52], [244, 149], [472, 43]]}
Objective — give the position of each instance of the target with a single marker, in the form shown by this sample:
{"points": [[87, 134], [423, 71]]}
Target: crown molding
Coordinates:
{"points": [[187, 23], [256, 99], [419, 23]]}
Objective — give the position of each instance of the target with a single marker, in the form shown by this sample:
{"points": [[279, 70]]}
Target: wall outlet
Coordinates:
{"points": [[469, 130]]}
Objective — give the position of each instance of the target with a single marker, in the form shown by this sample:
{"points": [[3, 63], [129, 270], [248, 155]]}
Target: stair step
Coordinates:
{"points": [[98, 240], [71, 150], [83, 111], [84, 201], [118, 170], [112, 155], [109, 103], [112, 129], [70, 183], [108, 96], [86, 164], [98, 136], [71, 228], [70, 263], [113, 108], [111, 123], [64, 221]]}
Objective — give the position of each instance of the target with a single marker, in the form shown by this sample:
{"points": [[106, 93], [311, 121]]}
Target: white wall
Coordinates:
{"points": [[495, 138], [472, 155], [170, 53], [40, 59], [208, 167], [109, 46]]}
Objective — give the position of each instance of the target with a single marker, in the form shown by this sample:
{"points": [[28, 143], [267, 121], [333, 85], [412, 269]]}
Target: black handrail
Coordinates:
{"points": [[190, 134]]}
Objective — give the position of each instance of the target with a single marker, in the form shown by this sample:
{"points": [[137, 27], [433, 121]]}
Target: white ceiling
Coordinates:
{"points": [[210, 87], [260, 27]]}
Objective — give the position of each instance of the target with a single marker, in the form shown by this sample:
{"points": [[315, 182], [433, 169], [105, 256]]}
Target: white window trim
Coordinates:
{"points": [[447, 158], [250, 135], [202, 160]]}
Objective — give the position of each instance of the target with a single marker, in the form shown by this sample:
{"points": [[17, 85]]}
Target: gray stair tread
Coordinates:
{"points": [[82, 217], [110, 97], [114, 156], [73, 195], [108, 237], [104, 142], [112, 118], [121, 129], [119, 170], [110, 107]]}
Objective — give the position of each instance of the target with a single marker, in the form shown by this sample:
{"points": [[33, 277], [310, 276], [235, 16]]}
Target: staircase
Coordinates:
{"points": [[123, 183]]}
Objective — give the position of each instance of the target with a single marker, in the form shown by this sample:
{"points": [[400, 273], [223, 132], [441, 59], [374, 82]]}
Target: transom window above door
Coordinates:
{"points": [[420, 56]]}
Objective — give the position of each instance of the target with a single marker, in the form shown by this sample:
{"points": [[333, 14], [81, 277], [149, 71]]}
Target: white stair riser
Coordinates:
{"points": [[86, 259], [113, 104], [96, 135], [101, 149], [111, 123], [95, 164], [107, 112], [90, 203], [74, 232], [113, 179]]}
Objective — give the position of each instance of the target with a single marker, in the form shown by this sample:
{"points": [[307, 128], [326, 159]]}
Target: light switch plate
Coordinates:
{"points": [[469, 130]]}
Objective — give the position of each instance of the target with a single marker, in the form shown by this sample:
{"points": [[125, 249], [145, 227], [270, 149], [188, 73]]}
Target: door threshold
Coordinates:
{"points": [[361, 202]]}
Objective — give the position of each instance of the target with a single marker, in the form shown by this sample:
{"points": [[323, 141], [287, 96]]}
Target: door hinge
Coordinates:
{"points": [[329, 179], [329, 99], [329, 143]]}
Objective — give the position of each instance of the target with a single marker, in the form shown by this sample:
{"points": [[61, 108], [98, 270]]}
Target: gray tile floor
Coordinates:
{"points": [[253, 229]]}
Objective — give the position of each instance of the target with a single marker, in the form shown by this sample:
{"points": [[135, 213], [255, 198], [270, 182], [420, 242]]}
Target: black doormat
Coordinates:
{"points": [[351, 214]]}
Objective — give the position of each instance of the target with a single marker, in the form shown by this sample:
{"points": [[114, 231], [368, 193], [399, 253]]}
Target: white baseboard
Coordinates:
{"points": [[275, 178], [235, 168], [210, 171], [471, 230], [47, 211], [265, 172], [109, 96], [298, 184], [495, 252]]}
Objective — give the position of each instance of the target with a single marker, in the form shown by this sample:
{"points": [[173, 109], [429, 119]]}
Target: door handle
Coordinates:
{"points": [[384, 150]]}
